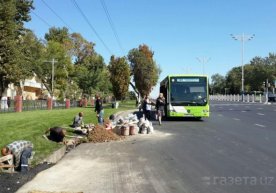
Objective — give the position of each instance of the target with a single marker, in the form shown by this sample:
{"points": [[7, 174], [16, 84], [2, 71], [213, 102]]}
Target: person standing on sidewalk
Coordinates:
{"points": [[21, 151], [160, 105], [99, 109], [146, 107]]}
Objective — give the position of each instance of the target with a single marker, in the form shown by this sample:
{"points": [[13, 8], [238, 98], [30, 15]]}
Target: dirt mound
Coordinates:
{"points": [[100, 134]]}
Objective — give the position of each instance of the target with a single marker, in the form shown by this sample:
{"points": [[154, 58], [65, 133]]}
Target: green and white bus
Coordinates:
{"points": [[186, 96]]}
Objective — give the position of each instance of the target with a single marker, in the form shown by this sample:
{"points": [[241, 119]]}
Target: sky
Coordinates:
{"points": [[187, 36]]}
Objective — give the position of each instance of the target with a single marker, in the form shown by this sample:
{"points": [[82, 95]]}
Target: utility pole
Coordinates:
{"points": [[242, 38], [203, 61], [53, 61]]}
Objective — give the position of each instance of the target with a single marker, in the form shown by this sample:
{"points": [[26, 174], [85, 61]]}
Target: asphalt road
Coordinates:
{"points": [[233, 151]]}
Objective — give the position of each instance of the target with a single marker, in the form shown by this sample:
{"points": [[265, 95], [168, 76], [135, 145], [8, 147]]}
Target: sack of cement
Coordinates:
{"points": [[147, 123], [131, 118], [150, 129], [144, 129], [141, 122]]}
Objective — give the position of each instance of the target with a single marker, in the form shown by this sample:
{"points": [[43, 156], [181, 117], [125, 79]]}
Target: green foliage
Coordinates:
{"points": [[31, 54], [62, 67], [131, 95], [255, 73], [218, 84], [104, 85], [144, 69], [91, 74], [60, 35], [81, 48], [22, 15], [259, 70], [233, 79], [13, 14], [119, 76]]}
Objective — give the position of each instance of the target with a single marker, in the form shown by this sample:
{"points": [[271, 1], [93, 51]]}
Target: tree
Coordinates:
{"points": [[233, 80], [144, 69], [119, 76], [22, 15], [256, 72], [31, 54], [60, 35], [62, 68], [91, 73], [13, 14], [217, 84], [259, 70], [81, 48]]}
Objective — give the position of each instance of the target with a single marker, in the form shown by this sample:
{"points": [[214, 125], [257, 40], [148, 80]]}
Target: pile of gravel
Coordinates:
{"points": [[100, 134]]}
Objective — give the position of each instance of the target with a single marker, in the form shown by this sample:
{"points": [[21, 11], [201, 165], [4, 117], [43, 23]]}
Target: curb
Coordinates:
{"points": [[56, 156]]}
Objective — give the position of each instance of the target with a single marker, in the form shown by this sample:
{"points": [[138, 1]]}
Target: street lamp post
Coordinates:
{"points": [[53, 61], [242, 38]]}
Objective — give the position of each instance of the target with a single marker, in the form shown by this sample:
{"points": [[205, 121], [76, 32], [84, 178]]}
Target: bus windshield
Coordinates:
{"points": [[190, 91]]}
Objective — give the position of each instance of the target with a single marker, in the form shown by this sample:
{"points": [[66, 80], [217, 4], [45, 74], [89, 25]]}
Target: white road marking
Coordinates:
{"points": [[236, 119], [259, 125], [230, 109], [260, 108], [220, 115], [260, 114], [243, 111]]}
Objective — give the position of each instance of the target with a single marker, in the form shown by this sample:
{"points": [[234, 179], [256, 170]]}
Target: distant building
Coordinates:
{"points": [[32, 89]]}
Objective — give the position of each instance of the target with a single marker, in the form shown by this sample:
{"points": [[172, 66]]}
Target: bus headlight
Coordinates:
{"points": [[205, 111]]}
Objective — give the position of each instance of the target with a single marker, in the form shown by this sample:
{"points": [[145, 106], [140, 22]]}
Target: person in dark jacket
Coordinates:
{"points": [[99, 109], [160, 105], [147, 107], [57, 134]]}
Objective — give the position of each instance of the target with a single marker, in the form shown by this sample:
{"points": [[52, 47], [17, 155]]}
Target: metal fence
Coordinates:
{"points": [[238, 98], [7, 106]]}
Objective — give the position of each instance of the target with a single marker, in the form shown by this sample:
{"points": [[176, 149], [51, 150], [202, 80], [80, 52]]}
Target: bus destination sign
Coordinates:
{"points": [[187, 80]]}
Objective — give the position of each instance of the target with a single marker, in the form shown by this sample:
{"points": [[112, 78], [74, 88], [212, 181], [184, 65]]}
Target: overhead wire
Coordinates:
{"points": [[57, 15], [112, 25], [91, 26], [43, 20]]}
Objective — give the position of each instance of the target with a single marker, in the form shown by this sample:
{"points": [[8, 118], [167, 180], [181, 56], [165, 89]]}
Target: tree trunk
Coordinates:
{"points": [[138, 98]]}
